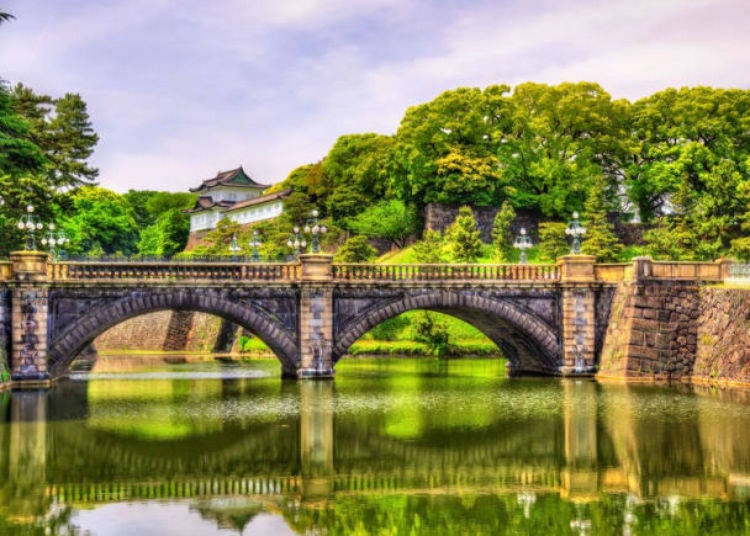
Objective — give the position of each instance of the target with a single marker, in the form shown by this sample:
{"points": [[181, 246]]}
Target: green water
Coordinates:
{"points": [[390, 447]]}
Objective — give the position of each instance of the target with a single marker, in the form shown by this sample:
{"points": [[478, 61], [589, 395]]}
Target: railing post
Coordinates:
{"points": [[724, 267], [29, 318], [578, 315], [316, 316]]}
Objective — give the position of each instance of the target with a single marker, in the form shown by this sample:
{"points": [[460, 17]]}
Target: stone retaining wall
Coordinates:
{"points": [[167, 331], [723, 352], [652, 331]]}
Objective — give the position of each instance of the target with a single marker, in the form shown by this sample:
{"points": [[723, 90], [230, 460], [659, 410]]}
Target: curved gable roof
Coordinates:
{"points": [[234, 177]]}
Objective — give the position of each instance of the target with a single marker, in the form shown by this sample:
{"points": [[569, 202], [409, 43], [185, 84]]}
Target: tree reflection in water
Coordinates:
{"points": [[402, 447]]}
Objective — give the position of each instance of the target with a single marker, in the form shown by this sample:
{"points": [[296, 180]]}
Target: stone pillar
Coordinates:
{"points": [[29, 318], [316, 316], [578, 314], [316, 440]]}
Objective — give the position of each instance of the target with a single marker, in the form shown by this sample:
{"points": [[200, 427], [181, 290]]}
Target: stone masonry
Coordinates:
{"points": [[548, 319], [723, 335], [652, 331]]}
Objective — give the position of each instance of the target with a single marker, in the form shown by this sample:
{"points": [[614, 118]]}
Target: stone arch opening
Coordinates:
{"points": [[70, 341], [529, 343]]}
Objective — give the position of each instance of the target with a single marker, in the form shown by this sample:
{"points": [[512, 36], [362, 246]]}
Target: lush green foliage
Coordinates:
{"points": [[600, 239], [391, 220], [501, 232], [356, 249], [102, 221], [553, 242], [463, 237], [431, 249]]}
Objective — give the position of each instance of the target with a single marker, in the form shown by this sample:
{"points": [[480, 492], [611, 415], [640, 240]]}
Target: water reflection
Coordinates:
{"points": [[406, 447]]}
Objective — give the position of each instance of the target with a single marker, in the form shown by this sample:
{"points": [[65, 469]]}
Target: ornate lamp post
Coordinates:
{"points": [[254, 244], [315, 230], [54, 240], [522, 242], [296, 242], [234, 247], [575, 230], [31, 224]]}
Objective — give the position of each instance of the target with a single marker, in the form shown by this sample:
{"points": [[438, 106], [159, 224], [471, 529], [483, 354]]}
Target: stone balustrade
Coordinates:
{"points": [[445, 272], [363, 272], [176, 271]]}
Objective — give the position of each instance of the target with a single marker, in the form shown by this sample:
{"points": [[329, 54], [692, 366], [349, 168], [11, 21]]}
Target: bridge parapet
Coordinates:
{"points": [[446, 272], [97, 271]]}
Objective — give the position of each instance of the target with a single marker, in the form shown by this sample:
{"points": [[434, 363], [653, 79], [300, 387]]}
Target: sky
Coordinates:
{"points": [[180, 89]]}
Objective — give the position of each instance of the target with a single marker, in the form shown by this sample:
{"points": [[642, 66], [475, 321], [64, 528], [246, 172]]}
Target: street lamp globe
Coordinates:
{"points": [[575, 230], [522, 242]]}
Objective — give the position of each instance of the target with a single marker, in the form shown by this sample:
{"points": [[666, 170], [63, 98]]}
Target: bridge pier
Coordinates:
{"points": [[577, 279], [29, 294], [316, 317]]}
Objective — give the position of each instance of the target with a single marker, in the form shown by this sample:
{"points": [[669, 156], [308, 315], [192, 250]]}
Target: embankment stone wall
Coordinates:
{"points": [[652, 331], [723, 350], [169, 331], [677, 330]]}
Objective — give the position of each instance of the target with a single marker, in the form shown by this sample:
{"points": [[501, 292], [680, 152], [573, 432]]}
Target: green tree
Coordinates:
{"points": [[63, 130], [558, 138], [502, 239], [431, 332], [463, 238], [695, 135], [72, 142], [357, 168], [431, 249], [218, 240], [445, 151], [741, 245], [356, 249], [100, 217], [148, 205], [391, 220], [20, 161], [600, 235], [553, 241], [167, 236]]}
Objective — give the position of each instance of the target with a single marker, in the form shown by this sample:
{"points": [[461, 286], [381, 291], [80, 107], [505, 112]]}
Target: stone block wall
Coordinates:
{"points": [[438, 217], [723, 327], [167, 331], [652, 331]]}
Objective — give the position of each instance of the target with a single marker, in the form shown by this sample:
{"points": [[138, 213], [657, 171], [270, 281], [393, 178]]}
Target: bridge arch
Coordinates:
{"points": [[71, 340], [529, 343]]}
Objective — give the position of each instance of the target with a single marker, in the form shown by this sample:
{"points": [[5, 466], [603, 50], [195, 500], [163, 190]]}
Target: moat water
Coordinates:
{"points": [[392, 446]]}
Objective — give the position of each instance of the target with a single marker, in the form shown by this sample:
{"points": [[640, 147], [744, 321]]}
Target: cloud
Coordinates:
{"points": [[178, 90]]}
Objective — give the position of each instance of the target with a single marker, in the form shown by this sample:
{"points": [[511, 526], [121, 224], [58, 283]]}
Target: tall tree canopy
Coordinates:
{"points": [[63, 130]]}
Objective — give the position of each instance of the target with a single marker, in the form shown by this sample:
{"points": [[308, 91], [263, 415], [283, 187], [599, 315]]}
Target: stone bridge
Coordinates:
{"points": [[547, 319]]}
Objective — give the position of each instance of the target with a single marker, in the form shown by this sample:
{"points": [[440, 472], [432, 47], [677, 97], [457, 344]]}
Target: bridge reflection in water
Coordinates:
{"points": [[310, 447]]}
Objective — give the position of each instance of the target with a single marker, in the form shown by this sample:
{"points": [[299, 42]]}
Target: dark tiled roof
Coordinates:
{"points": [[205, 202], [226, 177], [259, 200]]}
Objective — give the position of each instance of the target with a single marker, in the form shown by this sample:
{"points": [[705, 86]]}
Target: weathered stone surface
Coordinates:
{"points": [[651, 331], [723, 336]]}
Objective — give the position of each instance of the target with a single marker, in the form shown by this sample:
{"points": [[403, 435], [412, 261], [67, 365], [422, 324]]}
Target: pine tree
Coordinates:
{"points": [[72, 141], [552, 240], [464, 242], [600, 236], [431, 249], [502, 239]]}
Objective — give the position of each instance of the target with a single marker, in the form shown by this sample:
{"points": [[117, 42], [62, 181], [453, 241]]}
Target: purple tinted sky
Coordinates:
{"points": [[181, 89]]}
